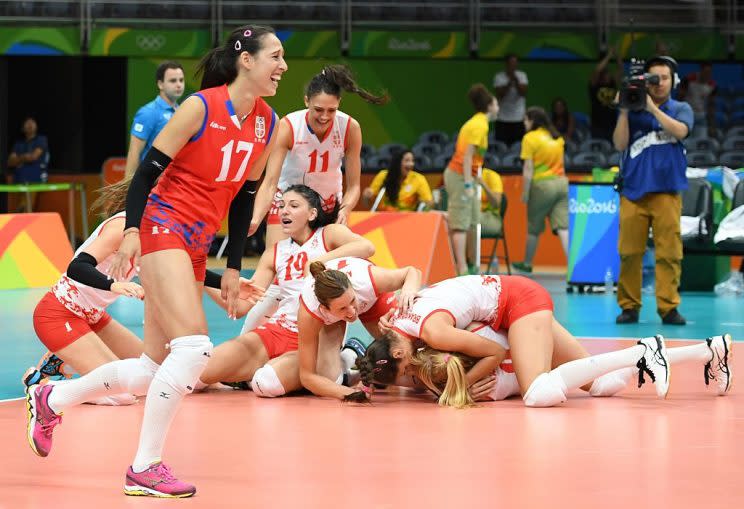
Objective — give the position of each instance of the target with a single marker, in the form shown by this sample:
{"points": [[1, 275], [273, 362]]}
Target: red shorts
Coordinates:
{"points": [[520, 296], [58, 327], [276, 339], [385, 303], [154, 237]]}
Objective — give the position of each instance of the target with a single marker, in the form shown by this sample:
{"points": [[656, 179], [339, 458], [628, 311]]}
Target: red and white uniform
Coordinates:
{"points": [[497, 301], [194, 193], [279, 333], [314, 162], [466, 299], [71, 309], [85, 301], [290, 259], [371, 304]]}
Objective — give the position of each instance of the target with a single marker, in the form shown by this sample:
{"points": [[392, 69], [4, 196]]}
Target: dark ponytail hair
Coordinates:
{"points": [[392, 179], [377, 366], [334, 78], [219, 66], [540, 118], [316, 202], [329, 284]]}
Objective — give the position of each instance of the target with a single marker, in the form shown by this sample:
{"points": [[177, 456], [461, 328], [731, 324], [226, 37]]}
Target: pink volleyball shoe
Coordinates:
{"points": [[156, 481], [41, 418]]}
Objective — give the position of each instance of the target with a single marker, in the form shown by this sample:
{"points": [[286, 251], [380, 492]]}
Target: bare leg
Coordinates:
{"points": [[459, 239], [235, 360], [531, 344], [123, 342]]}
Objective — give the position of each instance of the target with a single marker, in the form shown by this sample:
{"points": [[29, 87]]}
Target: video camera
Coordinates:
{"points": [[633, 88]]}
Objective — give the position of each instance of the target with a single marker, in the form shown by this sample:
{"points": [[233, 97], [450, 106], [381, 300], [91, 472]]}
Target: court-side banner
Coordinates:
{"points": [[34, 250], [408, 238], [409, 44], [539, 45], [39, 41], [593, 226], [130, 42]]}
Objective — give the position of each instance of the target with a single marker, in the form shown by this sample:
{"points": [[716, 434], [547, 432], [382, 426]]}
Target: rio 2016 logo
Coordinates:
{"points": [[591, 206]]}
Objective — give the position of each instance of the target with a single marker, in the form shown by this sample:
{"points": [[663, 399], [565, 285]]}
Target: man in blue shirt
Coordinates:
{"points": [[30, 155], [653, 172], [152, 117]]}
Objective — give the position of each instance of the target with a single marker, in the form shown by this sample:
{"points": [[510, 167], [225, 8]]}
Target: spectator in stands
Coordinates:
{"points": [[653, 177], [545, 186], [562, 119], [152, 117], [511, 89], [472, 143], [28, 161], [603, 86], [699, 90], [30, 154], [404, 187]]}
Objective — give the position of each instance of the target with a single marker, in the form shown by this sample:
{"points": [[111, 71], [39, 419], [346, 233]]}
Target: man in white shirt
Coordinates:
{"points": [[511, 89]]}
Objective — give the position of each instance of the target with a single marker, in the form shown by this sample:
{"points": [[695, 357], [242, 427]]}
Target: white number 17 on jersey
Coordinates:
{"points": [[243, 146]]}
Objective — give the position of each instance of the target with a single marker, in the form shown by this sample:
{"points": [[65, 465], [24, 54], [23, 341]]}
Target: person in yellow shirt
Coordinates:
{"points": [[493, 192], [463, 209], [404, 187], [545, 186]]}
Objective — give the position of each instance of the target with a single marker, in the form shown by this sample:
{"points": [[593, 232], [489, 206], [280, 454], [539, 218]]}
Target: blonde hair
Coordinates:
{"points": [[444, 374], [113, 197]]}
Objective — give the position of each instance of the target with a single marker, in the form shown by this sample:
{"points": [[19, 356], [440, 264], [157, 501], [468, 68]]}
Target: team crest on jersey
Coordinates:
{"points": [[260, 127], [336, 139]]}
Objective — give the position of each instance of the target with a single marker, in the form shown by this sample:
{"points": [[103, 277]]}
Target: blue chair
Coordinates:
{"points": [[589, 160], [733, 143], [596, 145], [703, 144], [436, 137], [733, 159]]}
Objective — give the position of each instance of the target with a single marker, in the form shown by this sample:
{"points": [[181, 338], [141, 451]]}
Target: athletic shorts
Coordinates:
{"points": [[58, 327], [385, 303], [276, 339], [154, 237], [520, 296]]}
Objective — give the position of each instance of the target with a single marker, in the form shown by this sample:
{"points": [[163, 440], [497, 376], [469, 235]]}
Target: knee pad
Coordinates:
{"points": [[545, 391], [135, 375], [263, 310], [266, 383], [187, 359], [611, 383]]}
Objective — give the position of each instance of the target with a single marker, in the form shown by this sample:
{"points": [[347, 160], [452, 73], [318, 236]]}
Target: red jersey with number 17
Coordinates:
{"points": [[194, 193]]}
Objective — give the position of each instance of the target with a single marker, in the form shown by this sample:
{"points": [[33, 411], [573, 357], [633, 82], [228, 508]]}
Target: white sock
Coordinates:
{"points": [[125, 376], [176, 377], [348, 359], [582, 371], [612, 383], [700, 353], [263, 309], [115, 400]]}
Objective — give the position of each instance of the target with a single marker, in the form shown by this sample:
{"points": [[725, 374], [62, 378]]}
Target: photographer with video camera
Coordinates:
{"points": [[649, 130]]}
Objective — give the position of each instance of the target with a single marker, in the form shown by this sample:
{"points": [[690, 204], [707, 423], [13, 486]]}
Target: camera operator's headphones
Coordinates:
{"points": [[668, 61]]}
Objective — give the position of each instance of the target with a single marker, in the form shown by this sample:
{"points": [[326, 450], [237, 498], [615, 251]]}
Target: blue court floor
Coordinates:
{"points": [[585, 315]]}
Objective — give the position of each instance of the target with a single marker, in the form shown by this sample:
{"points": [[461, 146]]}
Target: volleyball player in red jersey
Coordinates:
{"points": [[211, 154]]}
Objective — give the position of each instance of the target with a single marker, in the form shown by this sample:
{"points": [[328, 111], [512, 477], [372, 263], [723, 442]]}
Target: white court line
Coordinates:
{"points": [[11, 399]]}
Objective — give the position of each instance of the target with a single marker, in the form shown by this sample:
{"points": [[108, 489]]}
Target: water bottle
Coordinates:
{"points": [[609, 282]]}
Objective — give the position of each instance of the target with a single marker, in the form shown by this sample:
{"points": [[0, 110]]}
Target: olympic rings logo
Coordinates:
{"points": [[150, 42]]}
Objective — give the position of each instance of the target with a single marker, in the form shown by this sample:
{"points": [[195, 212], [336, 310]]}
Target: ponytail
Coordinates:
{"points": [[219, 66], [334, 78], [444, 374], [329, 284]]}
